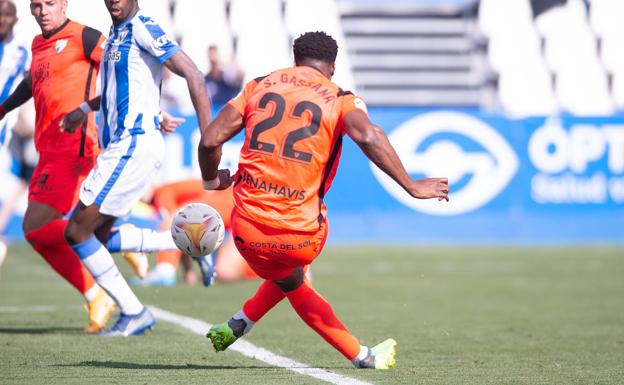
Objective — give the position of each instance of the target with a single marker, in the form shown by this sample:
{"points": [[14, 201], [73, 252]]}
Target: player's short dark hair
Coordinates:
{"points": [[315, 45]]}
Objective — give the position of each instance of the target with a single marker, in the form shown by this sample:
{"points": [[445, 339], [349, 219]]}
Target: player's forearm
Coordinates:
{"points": [[21, 95], [209, 159], [199, 97], [95, 103], [181, 65], [378, 149]]}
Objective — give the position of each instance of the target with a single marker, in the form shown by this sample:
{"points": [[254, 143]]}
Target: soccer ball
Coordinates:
{"points": [[197, 230]]}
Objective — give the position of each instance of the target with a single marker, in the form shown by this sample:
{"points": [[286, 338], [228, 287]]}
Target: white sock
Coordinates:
{"points": [[166, 268], [101, 265], [92, 292], [361, 355], [248, 323], [146, 240]]}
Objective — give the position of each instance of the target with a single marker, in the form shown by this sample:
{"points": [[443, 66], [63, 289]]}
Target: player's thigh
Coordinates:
{"points": [[56, 180], [124, 173], [85, 221]]}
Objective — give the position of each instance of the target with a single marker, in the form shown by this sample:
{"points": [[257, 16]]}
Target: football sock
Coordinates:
{"points": [[315, 311], [130, 238], [171, 257], [49, 241], [99, 262], [267, 296], [165, 268], [92, 293], [364, 358]]}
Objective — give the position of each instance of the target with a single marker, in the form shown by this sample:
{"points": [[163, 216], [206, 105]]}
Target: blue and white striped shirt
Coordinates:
{"points": [[131, 74], [14, 64]]}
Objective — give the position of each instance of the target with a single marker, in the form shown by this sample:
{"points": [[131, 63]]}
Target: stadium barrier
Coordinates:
{"points": [[513, 181]]}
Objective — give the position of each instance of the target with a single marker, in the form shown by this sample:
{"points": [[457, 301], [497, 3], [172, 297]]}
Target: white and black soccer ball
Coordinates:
{"points": [[197, 229]]}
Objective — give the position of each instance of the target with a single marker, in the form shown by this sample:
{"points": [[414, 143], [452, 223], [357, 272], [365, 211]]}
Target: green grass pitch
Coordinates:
{"points": [[460, 315]]}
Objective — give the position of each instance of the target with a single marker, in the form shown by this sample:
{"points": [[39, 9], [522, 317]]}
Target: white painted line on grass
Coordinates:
{"points": [[252, 351]]}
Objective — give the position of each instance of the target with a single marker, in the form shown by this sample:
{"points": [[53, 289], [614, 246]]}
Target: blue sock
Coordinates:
{"points": [[114, 242]]}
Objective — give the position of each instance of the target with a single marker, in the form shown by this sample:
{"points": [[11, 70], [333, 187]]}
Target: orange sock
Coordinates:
{"points": [[49, 241], [267, 296], [319, 315]]}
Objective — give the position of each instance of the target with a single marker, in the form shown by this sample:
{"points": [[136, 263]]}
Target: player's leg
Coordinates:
{"points": [[80, 233], [44, 227], [131, 238], [133, 243], [124, 172]]}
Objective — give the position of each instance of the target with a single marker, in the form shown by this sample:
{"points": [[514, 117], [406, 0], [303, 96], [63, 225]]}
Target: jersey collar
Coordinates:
{"points": [[57, 30]]}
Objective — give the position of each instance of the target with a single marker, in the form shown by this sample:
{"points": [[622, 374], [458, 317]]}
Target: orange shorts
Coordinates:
{"points": [[275, 253], [57, 178]]}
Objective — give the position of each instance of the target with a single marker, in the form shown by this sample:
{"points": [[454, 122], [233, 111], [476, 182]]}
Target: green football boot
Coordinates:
{"points": [[221, 336]]}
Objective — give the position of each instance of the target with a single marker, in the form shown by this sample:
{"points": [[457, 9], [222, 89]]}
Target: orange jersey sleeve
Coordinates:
{"points": [[293, 141], [64, 71]]}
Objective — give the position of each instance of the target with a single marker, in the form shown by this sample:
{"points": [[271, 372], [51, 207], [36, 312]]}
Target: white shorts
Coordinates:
{"points": [[124, 172]]}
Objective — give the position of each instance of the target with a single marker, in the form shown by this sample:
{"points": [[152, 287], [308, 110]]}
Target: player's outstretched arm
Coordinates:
{"points": [[180, 64], [228, 123], [21, 95], [376, 146], [78, 116]]}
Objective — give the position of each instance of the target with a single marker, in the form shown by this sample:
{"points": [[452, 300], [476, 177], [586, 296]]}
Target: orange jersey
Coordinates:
{"points": [[293, 140], [64, 71]]}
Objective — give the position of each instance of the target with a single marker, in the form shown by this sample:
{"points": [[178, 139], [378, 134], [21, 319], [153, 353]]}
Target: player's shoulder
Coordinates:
{"points": [[147, 23]]}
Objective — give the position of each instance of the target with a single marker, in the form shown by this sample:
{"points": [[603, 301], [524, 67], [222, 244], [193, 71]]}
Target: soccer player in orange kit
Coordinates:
{"points": [[65, 62], [294, 121]]}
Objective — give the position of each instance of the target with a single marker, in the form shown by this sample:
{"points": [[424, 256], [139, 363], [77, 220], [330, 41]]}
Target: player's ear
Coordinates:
{"points": [[333, 69]]}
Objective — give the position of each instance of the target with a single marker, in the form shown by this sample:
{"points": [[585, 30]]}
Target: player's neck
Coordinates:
{"points": [[317, 65], [47, 35], [6, 38]]}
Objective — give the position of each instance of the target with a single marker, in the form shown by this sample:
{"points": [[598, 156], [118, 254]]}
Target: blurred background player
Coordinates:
{"points": [[224, 80], [21, 148], [294, 120], [230, 266], [14, 64], [133, 149]]}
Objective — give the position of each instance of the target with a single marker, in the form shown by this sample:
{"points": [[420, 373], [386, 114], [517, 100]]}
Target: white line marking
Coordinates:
{"points": [[252, 351]]}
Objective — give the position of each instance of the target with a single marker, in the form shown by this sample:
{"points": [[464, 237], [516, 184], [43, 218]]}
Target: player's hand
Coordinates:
{"points": [[170, 123], [72, 120], [430, 188], [222, 181]]}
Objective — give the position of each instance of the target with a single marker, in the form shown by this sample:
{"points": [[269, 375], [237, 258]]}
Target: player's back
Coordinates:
{"points": [[293, 140]]}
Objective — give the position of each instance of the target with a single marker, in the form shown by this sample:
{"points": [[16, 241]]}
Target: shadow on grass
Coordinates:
{"points": [[132, 365], [44, 330]]}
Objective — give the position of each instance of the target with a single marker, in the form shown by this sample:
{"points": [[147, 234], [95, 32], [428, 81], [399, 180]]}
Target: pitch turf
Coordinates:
{"points": [[460, 316]]}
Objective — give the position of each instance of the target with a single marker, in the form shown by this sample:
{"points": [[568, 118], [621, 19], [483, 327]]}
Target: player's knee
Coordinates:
{"points": [[291, 282], [74, 234]]}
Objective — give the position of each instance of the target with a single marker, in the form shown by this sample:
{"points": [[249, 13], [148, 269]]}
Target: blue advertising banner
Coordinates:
{"points": [[513, 181], [531, 181]]}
